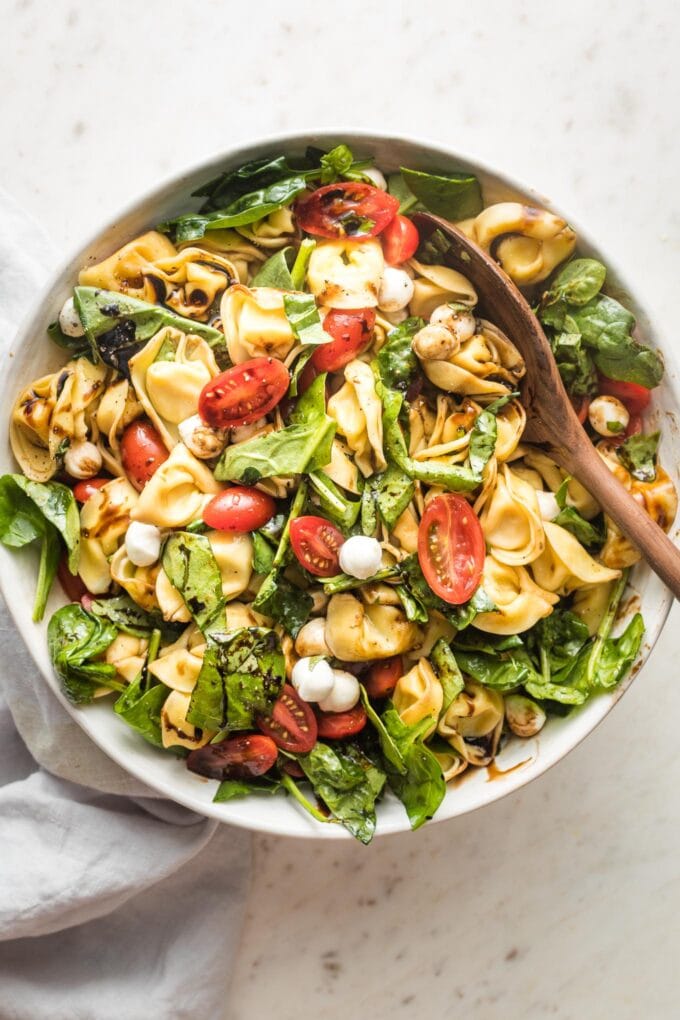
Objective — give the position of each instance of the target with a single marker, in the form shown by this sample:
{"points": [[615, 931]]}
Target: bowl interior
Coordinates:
{"points": [[32, 355]]}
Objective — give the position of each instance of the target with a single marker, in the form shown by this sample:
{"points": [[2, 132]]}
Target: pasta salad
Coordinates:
{"points": [[282, 479]]}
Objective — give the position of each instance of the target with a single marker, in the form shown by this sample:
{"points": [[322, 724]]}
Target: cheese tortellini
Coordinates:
{"points": [[488, 365], [511, 520], [255, 324], [519, 601], [357, 408], [419, 695], [473, 722], [177, 492], [356, 632], [346, 274], [104, 520]]}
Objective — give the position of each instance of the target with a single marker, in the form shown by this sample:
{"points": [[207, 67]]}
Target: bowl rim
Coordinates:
{"points": [[77, 253]]}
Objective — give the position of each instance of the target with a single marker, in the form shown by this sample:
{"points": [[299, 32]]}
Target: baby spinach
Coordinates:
{"points": [[278, 598], [263, 554], [130, 618], [141, 708], [346, 582], [190, 564], [397, 186], [75, 641], [334, 503], [77, 346], [577, 283], [501, 672], [397, 365], [575, 363], [555, 641], [118, 326], [232, 184], [419, 783], [275, 272], [387, 494], [605, 326], [422, 596], [455, 196], [348, 783], [448, 673], [303, 316], [638, 455], [234, 789], [40, 511], [587, 532], [241, 676], [300, 447]]}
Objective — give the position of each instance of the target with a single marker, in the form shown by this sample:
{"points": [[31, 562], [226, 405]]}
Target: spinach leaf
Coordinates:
{"points": [[390, 750], [555, 641], [141, 709], [348, 782], [299, 271], [242, 675], [397, 186], [618, 655], [263, 554], [333, 501], [190, 564], [571, 520], [421, 788], [575, 364], [301, 447], [31, 511], [231, 184], [396, 363], [484, 433], [455, 196], [275, 272], [238, 212], [448, 674], [75, 640], [335, 164], [387, 494], [605, 326], [303, 316], [479, 641], [501, 672], [129, 618], [577, 283], [638, 455], [277, 597], [234, 789], [346, 582], [77, 346], [118, 326], [421, 593]]}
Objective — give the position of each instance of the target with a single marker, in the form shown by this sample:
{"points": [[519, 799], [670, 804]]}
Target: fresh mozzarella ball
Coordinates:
{"points": [[463, 325], [396, 289], [82, 459], [143, 543], [344, 695], [201, 440], [360, 556], [608, 416], [313, 680], [311, 639], [376, 177], [240, 433], [69, 320], [547, 504]]}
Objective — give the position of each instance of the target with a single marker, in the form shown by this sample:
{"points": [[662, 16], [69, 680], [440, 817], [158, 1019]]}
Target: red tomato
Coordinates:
{"points": [[243, 393], [400, 240], [72, 584], [307, 376], [383, 676], [635, 397], [633, 428], [581, 405], [291, 723], [338, 725], [240, 757], [348, 209], [239, 509], [293, 769], [87, 487], [316, 543], [451, 548], [352, 332], [142, 452]]}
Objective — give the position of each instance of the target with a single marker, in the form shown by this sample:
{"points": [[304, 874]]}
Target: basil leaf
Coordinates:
{"points": [[577, 283], [335, 164], [585, 531], [118, 326], [75, 640], [483, 436], [77, 346], [348, 783], [275, 272], [190, 564], [141, 709], [618, 655], [334, 503], [303, 316], [455, 196], [638, 455], [421, 788], [605, 326], [396, 363], [575, 364]]}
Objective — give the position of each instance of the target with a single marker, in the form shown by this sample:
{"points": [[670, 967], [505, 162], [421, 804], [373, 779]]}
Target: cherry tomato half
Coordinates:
{"points": [[291, 723], [339, 725], [239, 508], [635, 397], [383, 676], [87, 487], [243, 393], [400, 240], [352, 332], [451, 548], [581, 405], [73, 585], [347, 209], [240, 757], [142, 451], [316, 543]]}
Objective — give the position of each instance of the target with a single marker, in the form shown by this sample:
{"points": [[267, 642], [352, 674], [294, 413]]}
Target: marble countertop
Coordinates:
{"points": [[562, 900]]}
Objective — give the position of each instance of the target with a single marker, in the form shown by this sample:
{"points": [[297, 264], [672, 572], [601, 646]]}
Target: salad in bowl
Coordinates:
{"points": [[281, 476]]}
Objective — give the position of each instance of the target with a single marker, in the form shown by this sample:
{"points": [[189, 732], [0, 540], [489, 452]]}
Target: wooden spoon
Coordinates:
{"points": [[551, 419]]}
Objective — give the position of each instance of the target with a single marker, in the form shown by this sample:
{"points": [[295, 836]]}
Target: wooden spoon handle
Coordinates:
{"points": [[656, 547]]}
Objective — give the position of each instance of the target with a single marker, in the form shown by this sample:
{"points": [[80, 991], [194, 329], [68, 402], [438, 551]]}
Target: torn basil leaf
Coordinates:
{"points": [[304, 319], [275, 272], [638, 455]]}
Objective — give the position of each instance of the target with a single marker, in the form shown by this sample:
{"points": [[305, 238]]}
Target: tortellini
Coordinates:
{"points": [[117, 408], [128, 654], [168, 375], [565, 565], [243, 256], [519, 601], [170, 601], [104, 519], [179, 664], [511, 520], [590, 604], [345, 273], [487, 365], [434, 285], [553, 477], [357, 408], [473, 722], [176, 731], [138, 582], [419, 695], [356, 632], [255, 323], [234, 555], [273, 231], [528, 242], [51, 413], [177, 492]]}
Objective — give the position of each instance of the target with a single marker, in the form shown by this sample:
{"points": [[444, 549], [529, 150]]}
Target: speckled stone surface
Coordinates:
{"points": [[562, 900]]}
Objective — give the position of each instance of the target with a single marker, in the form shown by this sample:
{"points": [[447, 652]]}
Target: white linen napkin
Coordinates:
{"points": [[114, 903]]}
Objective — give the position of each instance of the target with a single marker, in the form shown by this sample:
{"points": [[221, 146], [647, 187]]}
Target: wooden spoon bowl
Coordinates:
{"points": [[551, 419]]}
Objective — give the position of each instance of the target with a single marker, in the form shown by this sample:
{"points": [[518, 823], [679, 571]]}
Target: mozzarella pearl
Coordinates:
{"points": [[82, 459], [360, 556], [69, 320], [547, 505], [376, 177], [396, 289], [143, 543], [312, 679], [201, 440], [608, 416], [463, 325], [344, 695]]}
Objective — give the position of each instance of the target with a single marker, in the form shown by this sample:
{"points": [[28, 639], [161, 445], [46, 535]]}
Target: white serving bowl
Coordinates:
{"points": [[34, 355]]}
